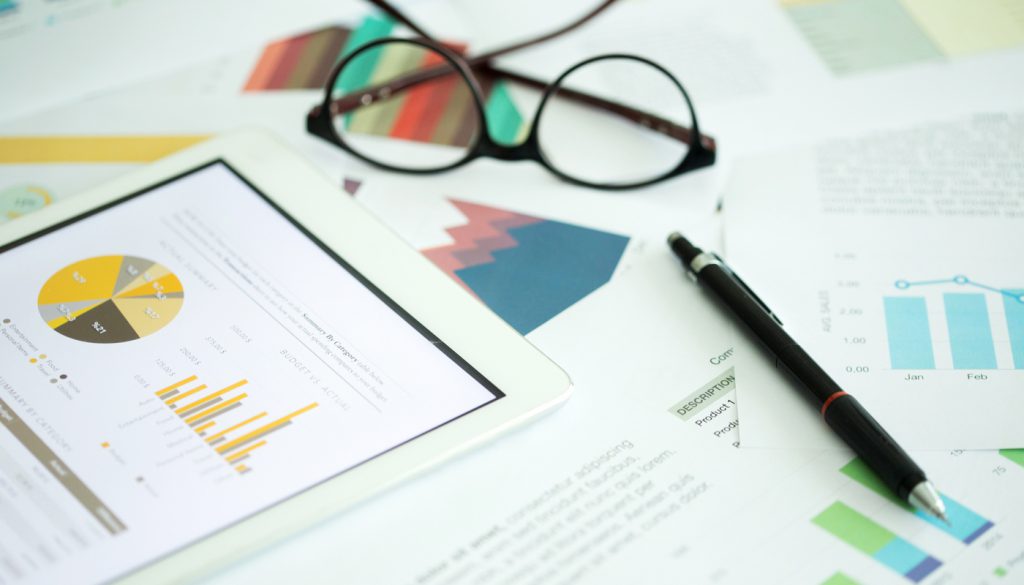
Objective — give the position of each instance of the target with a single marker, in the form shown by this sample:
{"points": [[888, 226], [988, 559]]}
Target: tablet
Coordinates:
{"points": [[219, 350]]}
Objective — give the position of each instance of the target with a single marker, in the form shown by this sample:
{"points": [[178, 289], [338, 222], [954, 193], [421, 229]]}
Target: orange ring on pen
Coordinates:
{"points": [[831, 399]]}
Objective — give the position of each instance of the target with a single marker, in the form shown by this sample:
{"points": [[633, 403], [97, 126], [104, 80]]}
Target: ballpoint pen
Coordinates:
{"points": [[841, 412]]}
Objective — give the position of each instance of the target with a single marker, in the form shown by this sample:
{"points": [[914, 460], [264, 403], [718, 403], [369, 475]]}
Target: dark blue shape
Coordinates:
{"points": [[554, 266], [974, 535], [922, 570]]}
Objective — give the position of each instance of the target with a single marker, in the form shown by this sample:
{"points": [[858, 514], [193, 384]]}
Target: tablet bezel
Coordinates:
{"points": [[530, 381]]}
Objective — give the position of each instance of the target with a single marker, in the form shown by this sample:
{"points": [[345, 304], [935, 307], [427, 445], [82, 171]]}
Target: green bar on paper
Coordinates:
{"points": [[1015, 455], [859, 472], [839, 579], [854, 528]]}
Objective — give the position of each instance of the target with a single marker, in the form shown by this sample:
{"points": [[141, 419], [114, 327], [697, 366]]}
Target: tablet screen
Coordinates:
{"points": [[183, 358]]}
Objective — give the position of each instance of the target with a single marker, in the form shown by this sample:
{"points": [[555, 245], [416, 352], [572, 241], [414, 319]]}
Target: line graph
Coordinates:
{"points": [[963, 281]]}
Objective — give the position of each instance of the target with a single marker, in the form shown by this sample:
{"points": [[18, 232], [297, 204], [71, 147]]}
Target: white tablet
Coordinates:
{"points": [[219, 350]]}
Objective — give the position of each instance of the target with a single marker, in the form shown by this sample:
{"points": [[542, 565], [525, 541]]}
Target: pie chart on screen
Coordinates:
{"points": [[110, 299]]}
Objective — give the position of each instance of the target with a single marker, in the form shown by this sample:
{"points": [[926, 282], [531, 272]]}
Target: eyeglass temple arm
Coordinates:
{"points": [[645, 119], [395, 13]]}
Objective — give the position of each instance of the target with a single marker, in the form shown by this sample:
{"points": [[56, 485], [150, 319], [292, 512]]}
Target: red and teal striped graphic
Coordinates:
{"points": [[440, 112]]}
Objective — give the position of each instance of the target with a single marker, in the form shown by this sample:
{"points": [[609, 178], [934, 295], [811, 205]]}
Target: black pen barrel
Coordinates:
{"points": [[847, 418], [764, 325], [868, 439], [858, 429]]}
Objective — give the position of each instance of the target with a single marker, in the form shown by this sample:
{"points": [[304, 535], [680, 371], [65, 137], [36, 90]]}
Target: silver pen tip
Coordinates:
{"points": [[927, 498], [673, 237]]}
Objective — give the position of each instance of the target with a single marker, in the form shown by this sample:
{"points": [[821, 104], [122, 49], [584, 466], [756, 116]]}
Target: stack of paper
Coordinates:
{"points": [[871, 183]]}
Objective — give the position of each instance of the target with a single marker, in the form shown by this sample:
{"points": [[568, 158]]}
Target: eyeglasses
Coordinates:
{"points": [[610, 122]]}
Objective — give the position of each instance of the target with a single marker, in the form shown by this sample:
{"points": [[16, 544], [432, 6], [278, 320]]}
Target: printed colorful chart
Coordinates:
{"points": [[305, 62], [35, 171], [853, 36], [869, 536], [18, 200], [526, 269]]}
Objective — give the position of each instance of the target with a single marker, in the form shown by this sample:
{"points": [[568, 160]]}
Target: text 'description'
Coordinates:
{"points": [[705, 396]]}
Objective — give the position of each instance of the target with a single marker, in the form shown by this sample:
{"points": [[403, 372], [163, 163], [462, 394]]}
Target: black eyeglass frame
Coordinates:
{"points": [[319, 121]]}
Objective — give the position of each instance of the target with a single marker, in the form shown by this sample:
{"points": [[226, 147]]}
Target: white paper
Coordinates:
{"points": [[63, 51], [893, 258], [613, 487]]}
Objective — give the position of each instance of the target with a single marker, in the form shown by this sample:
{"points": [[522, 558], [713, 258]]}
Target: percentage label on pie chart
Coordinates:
{"points": [[111, 299]]}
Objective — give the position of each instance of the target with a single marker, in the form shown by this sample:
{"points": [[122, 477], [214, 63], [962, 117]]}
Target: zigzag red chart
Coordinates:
{"points": [[526, 269]]}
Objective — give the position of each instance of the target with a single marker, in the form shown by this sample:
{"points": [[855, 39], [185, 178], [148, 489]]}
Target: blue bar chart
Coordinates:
{"points": [[956, 321], [970, 333], [910, 336], [1013, 306]]}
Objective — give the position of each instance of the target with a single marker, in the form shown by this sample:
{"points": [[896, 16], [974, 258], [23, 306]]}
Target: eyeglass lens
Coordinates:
{"points": [[436, 121], [601, 146]]}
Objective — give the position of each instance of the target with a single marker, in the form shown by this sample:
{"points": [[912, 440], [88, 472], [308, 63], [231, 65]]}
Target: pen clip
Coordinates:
{"points": [[721, 263]]}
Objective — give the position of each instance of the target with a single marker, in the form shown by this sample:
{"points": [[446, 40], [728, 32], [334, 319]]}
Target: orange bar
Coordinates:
{"points": [[269, 426], [92, 149], [241, 468], [178, 397], [231, 458], [188, 407], [214, 408], [239, 425], [175, 385], [260, 77], [204, 427]]}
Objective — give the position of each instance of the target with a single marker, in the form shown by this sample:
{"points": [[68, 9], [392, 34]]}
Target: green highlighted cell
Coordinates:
{"points": [[876, 541]]}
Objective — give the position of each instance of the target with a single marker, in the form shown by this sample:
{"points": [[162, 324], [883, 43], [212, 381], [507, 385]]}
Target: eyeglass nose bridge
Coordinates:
{"points": [[526, 150]]}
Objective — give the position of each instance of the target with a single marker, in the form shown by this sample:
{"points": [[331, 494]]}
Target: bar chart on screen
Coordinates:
{"points": [[224, 420]]}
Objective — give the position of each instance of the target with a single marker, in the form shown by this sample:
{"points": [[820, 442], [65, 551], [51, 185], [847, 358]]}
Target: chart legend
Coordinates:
{"points": [[220, 417]]}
